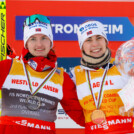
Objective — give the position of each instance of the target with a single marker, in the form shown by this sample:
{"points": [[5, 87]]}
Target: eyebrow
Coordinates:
{"points": [[33, 36]]}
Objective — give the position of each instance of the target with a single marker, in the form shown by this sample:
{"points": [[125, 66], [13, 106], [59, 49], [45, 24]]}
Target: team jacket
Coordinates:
{"points": [[112, 106], [15, 115]]}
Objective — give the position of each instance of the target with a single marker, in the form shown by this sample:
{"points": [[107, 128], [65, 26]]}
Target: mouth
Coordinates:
{"points": [[96, 50], [39, 49]]}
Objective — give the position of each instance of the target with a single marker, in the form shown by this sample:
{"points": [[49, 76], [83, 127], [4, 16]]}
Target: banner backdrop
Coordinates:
{"points": [[66, 16], [65, 28]]}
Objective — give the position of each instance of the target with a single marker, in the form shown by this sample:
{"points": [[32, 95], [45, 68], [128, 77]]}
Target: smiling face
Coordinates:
{"points": [[95, 46], [39, 45]]}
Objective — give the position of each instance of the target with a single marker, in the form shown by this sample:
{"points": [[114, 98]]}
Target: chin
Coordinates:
{"points": [[97, 55], [39, 55]]}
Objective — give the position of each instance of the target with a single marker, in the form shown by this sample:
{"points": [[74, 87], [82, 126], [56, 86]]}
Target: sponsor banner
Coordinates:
{"points": [[3, 49], [28, 122], [63, 120], [65, 28], [119, 124], [68, 63]]}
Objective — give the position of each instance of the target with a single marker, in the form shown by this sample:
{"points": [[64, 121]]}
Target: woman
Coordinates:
{"points": [[32, 86], [98, 82]]}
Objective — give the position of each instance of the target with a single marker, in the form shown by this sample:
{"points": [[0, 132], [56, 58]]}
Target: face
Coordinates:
{"points": [[95, 46], [39, 45]]}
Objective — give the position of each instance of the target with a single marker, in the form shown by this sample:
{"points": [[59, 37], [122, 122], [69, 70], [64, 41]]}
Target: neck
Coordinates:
{"points": [[95, 62], [39, 63]]}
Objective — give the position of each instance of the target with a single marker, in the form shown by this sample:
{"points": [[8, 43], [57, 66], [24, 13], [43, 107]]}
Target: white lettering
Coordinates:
{"points": [[111, 122], [58, 28], [106, 124], [68, 28], [117, 29], [112, 29], [123, 120], [72, 28], [37, 126], [75, 28], [30, 124], [129, 120], [118, 121], [43, 127]]}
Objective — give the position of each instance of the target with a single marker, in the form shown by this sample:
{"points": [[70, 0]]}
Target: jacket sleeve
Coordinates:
{"points": [[5, 66], [70, 102]]}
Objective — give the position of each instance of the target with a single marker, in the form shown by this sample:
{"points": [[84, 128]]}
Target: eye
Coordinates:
{"points": [[89, 39], [43, 37], [32, 38], [99, 37]]}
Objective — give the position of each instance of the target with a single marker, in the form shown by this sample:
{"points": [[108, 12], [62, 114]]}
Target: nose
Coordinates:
{"points": [[94, 43], [39, 43]]}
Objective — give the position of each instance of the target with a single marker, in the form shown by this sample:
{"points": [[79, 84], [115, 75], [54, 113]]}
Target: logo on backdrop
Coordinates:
{"points": [[65, 28]]}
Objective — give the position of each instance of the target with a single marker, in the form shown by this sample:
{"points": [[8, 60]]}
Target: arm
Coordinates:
{"points": [[70, 101], [4, 70]]}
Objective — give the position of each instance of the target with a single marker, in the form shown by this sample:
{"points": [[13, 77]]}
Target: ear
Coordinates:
{"points": [[51, 44], [106, 42], [26, 46]]}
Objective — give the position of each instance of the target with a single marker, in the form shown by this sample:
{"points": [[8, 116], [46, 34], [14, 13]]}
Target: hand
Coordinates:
{"points": [[129, 113], [131, 72]]}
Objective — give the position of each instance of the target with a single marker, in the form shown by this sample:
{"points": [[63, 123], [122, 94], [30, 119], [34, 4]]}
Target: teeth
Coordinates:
{"points": [[39, 49], [96, 50]]}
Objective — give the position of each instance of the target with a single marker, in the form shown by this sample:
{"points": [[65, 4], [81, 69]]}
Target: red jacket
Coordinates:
{"points": [[69, 103]]}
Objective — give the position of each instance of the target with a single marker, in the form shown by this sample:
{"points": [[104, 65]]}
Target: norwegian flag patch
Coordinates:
{"points": [[38, 29], [89, 32]]}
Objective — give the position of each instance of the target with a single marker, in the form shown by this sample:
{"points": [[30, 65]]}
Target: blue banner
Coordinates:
{"points": [[64, 28], [68, 63]]}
